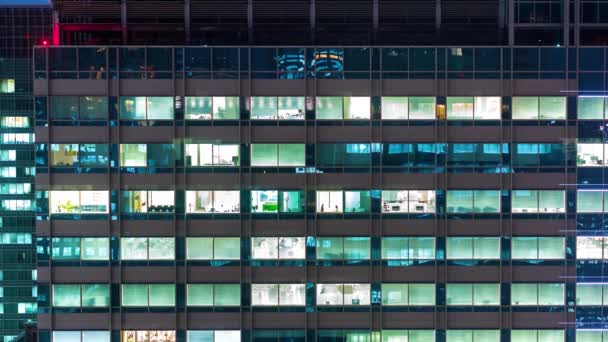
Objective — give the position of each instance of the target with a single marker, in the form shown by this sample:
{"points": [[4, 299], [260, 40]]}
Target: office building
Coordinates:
{"points": [[279, 185], [320, 194]]}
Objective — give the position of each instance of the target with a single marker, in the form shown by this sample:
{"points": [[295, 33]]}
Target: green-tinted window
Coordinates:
{"points": [[356, 248], [531, 248], [227, 295], [226, 248], [199, 295], [590, 107], [591, 335], [417, 248], [264, 155], [198, 108], [524, 247], [292, 155], [472, 294], [160, 108], [162, 294], [134, 155], [96, 295], [589, 201], [408, 294], [422, 108], [357, 201], [133, 107], [66, 295], [395, 108], [591, 294], [524, 108], [264, 107], [459, 108], [330, 248], [329, 107], [135, 295], [472, 335], [199, 248], [473, 248], [67, 248], [537, 294], [552, 108]]}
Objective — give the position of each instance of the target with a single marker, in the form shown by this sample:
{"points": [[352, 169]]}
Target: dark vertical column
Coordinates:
{"points": [[501, 20], [313, 23], [577, 22], [250, 21], [511, 21], [566, 23], [437, 18], [187, 21], [375, 20], [123, 21]]}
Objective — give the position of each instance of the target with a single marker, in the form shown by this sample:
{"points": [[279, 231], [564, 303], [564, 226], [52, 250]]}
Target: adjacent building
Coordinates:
{"points": [[22, 25]]}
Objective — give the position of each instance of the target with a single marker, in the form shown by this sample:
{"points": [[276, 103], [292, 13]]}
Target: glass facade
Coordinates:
{"points": [[21, 27], [350, 199]]}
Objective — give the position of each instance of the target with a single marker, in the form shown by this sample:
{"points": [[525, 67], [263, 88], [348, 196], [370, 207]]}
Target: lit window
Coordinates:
{"points": [[213, 202], [343, 108], [216, 107], [518, 335], [538, 201], [591, 294], [591, 335], [213, 294], [212, 154], [537, 248], [472, 335], [408, 294], [343, 248], [591, 155], [155, 202], [473, 201], [81, 295], [533, 294], [15, 122], [408, 248], [591, 248], [214, 336], [281, 155], [591, 107], [343, 294], [289, 248], [478, 294], [404, 201], [274, 201], [139, 295], [78, 202], [472, 248], [148, 336], [213, 248], [146, 108], [81, 336], [539, 107], [7, 86], [141, 248], [278, 294]]}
